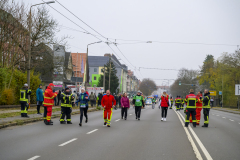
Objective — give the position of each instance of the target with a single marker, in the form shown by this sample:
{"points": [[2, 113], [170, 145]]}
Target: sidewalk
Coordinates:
{"points": [[18, 120], [229, 110]]}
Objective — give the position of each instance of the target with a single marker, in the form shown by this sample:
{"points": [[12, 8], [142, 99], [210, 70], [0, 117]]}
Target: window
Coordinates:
{"points": [[95, 78], [95, 69]]}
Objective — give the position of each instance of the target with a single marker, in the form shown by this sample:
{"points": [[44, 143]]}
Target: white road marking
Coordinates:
{"points": [[224, 117], [74, 139], [117, 120], [231, 120], [208, 156], [93, 131], [35, 157], [195, 149], [130, 114]]}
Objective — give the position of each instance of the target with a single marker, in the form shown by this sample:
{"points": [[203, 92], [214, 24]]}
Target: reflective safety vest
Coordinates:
{"points": [[49, 97], [66, 101], [24, 95], [207, 105], [178, 100], [138, 100], [191, 100], [171, 100]]}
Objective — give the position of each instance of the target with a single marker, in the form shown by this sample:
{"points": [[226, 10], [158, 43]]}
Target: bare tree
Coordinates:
{"points": [[147, 86]]}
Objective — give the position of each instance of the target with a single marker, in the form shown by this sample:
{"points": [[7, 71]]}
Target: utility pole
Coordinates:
{"points": [[104, 78], [109, 71]]}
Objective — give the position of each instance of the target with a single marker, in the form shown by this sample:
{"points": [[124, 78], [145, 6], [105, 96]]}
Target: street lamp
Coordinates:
{"points": [[87, 67], [29, 41]]}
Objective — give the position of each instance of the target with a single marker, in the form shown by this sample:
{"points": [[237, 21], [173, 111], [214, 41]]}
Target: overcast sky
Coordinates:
{"points": [[187, 21]]}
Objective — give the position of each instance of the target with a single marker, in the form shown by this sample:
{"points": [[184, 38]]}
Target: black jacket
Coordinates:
{"points": [[206, 99]]}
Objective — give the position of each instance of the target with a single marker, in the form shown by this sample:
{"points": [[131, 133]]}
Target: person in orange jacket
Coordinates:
{"points": [[198, 108], [108, 101], [49, 102]]}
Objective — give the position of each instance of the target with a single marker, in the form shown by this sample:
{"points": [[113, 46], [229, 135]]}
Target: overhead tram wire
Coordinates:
{"points": [[72, 21], [81, 20]]}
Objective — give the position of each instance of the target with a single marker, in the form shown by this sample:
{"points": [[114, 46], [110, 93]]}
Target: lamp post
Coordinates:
{"points": [[87, 67], [29, 41]]}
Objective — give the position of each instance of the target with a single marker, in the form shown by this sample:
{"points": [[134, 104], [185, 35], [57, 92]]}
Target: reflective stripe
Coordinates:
{"points": [[48, 103], [68, 120]]}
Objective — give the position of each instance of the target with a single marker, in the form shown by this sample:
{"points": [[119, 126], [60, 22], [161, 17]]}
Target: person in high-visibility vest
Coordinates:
{"points": [[138, 103], [49, 102], [24, 92], [206, 107], [66, 106], [171, 99], [178, 101], [191, 100], [182, 104]]}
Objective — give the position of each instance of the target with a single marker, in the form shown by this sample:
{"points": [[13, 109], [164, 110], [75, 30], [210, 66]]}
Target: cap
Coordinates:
{"points": [[51, 84], [25, 85], [66, 88], [139, 91], [82, 89]]}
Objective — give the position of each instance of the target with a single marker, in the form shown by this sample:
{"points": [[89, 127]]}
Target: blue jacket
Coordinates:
{"points": [[81, 99], [39, 94]]}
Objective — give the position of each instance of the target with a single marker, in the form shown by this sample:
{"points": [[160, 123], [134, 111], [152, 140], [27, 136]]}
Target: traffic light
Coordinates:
{"points": [[179, 83]]}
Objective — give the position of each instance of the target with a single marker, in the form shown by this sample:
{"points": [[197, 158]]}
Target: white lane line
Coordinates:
{"points": [[130, 114], [93, 131], [74, 139], [208, 156], [195, 149], [35, 157], [117, 120], [224, 117], [231, 120]]}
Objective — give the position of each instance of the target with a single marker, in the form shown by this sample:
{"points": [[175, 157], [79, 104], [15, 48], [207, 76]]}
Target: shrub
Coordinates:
{"points": [[7, 97]]}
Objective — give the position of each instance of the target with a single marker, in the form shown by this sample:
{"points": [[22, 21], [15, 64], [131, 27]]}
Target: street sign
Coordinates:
{"points": [[57, 82], [213, 93], [237, 89], [220, 93]]}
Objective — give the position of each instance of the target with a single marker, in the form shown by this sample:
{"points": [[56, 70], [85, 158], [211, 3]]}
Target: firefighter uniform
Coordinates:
{"points": [[66, 107], [108, 101], [199, 109], [171, 102], [178, 101], [49, 102], [206, 109], [182, 104], [191, 100], [24, 92]]}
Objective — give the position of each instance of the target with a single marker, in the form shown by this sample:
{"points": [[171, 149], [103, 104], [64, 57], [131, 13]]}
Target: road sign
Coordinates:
{"points": [[220, 93], [213, 93], [237, 89]]}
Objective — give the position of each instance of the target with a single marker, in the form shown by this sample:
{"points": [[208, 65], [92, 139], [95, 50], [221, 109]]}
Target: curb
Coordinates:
{"points": [[26, 121], [226, 111]]}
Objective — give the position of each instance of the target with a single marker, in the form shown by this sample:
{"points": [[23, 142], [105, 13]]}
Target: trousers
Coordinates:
{"points": [[178, 106], [83, 111], [24, 109], [45, 113], [190, 111], [49, 113], [66, 111], [124, 112], [206, 116], [164, 112], [138, 111], [107, 115]]}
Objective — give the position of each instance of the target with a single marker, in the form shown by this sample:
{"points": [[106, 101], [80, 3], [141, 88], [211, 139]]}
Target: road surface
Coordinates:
{"points": [[147, 139]]}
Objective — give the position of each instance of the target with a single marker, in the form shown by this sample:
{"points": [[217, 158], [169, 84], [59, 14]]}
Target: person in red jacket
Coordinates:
{"points": [[49, 102], [164, 103], [108, 101], [199, 107]]}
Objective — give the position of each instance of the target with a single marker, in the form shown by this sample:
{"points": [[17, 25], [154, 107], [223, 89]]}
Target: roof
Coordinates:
{"points": [[97, 61]]}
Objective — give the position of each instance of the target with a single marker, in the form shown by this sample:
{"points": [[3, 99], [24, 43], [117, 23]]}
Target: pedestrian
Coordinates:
{"points": [[182, 103], [39, 95], [206, 107], [138, 103], [117, 102], [100, 99], [191, 100], [178, 103], [125, 105], [59, 97], [92, 97], [55, 98], [95, 99], [83, 100], [108, 101], [164, 103], [75, 98], [24, 93], [119, 99], [45, 110], [49, 102], [66, 106], [199, 107], [171, 99]]}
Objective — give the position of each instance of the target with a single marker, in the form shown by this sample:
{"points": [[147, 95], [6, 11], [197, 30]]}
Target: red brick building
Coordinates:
{"points": [[77, 59]]}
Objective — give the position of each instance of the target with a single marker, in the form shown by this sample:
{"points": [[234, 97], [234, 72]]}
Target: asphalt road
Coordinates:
{"points": [[147, 139]]}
